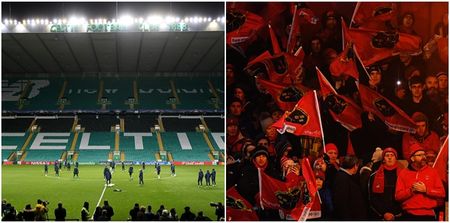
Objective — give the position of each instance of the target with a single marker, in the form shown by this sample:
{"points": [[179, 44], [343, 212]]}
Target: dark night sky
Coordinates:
{"points": [[93, 10]]}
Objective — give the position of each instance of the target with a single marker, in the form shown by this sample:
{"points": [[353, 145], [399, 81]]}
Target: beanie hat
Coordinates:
{"points": [[258, 151], [414, 148], [440, 74], [331, 146], [390, 149]]}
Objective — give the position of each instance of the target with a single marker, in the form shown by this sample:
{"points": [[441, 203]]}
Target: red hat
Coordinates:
{"points": [[331, 146], [319, 174], [232, 121], [414, 148], [389, 149]]}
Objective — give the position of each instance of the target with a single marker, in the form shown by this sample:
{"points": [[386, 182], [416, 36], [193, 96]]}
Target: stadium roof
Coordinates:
{"points": [[138, 48], [120, 52]]}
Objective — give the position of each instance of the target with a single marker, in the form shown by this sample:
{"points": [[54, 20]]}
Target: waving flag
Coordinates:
{"points": [[393, 116], [239, 209], [342, 109], [302, 120], [373, 15], [286, 96], [242, 28], [374, 45]]}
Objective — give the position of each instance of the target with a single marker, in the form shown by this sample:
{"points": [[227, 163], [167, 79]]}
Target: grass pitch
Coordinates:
{"points": [[23, 185]]}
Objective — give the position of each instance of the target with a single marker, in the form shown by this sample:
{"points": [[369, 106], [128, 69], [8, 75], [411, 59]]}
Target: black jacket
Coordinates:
{"points": [[348, 201]]}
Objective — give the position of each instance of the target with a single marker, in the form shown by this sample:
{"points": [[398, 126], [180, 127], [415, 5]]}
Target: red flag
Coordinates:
{"points": [[441, 162], [239, 209], [342, 109], [285, 96], [373, 45], [393, 116], [242, 28], [309, 197], [373, 15], [303, 120], [342, 65], [273, 38], [300, 15]]}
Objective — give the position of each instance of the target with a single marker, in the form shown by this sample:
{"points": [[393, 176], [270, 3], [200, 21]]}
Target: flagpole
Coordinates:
{"points": [[440, 151], [260, 188], [354, 13], [320, 120], [292, 29], [343, 35]]}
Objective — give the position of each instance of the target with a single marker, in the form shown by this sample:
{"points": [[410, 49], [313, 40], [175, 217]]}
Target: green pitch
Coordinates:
{"points": [[23, 185]]}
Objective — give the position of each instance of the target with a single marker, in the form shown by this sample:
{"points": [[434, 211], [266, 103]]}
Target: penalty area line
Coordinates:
{"points": [[100, 199]]}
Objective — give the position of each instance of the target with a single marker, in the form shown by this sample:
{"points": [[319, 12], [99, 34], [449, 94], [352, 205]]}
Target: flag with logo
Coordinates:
{"points": [[342, 109], [373, 15], [239, 209], [392, 116], [286, 96], [374, 45], [242, 28], [302, 120]]}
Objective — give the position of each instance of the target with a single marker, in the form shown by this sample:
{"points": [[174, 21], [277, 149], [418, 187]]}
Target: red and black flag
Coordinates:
{"points": [[392, 116], [302, 120], [286, 96], [342, 109], [239, 209], [242, 28], [373, 45], [373, 15]]}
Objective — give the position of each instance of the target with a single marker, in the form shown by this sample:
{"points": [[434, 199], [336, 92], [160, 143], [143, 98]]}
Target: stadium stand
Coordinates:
{"points": [[139, 123], [16, 124], [215, 124], [97, 122], [178, 124], [55, 125], [198, 152]]}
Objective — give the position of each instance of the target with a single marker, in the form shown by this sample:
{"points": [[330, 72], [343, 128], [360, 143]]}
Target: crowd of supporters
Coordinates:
{"points": [[41, 212], [358, 172]]}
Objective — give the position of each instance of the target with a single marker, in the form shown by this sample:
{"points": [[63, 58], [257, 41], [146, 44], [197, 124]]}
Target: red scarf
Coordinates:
{"points": [[378, 181]]}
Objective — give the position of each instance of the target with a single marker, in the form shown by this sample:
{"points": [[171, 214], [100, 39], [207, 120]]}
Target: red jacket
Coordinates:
{"points": [[417, 203], [430, 142]]}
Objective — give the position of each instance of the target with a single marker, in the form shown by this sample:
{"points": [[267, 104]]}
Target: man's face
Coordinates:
{"points": [[271, 133], [375, 77], [421, 128], [408, 21], [276, 115], [319, 183], [419, 159], [331, 22], [332, 154], [261, 160], [389, 159], [230, 74], [235, 108], [315, 46], [232, 130], [431, 82], [239, 93], [416, 90], [442, 82], [263, 142]]}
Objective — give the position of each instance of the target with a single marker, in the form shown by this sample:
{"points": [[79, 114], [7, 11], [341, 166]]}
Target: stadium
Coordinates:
{"points": [[108, 86]]}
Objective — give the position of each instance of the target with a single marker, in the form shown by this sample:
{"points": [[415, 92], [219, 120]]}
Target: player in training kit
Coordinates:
{"points": [[158, 170], [213, 177], [75, 172], [141, 176], [130, 171], [46, 169], [172, 169], [200, 178]]}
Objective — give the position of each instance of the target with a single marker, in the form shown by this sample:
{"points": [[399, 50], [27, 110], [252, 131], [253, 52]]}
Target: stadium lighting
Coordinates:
{"points": [[399, 82], [5, 22], [141, 20], [209, 19], [177, 19], [64, 21]]}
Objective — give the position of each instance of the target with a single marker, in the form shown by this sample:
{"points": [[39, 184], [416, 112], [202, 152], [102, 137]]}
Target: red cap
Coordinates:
{"points": [[331, 146], [389, 149]]}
